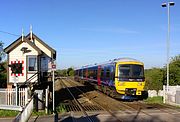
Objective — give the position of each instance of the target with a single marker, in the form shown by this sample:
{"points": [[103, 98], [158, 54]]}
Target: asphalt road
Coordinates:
{"points": [[125, 116]]}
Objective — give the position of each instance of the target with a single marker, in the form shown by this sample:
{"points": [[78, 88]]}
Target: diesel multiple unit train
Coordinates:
{"points": [[121, 78]]}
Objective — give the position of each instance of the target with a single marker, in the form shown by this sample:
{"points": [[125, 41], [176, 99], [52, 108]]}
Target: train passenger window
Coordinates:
{"points": [[95, 74], [107, 74], [112, 73], [80, 72], [77, 73], [102, 74], [90, 73], [84, 72]]}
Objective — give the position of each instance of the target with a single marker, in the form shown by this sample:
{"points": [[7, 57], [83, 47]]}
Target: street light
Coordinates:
{"points": [[168, 38]]}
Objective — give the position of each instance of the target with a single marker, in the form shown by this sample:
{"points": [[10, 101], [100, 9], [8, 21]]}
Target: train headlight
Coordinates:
{"points": [[121, 84], [139, 84]]}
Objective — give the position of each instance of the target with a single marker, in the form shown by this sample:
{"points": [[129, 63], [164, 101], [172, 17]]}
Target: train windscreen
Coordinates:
{"points": [[131, 71]]}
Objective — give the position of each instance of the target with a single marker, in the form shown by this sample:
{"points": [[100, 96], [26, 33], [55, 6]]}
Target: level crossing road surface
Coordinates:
{"points": [[128, 116], [125, 116]]}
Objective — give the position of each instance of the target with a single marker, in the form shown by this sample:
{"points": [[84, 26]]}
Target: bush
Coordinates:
{"points": [[154, 79]]}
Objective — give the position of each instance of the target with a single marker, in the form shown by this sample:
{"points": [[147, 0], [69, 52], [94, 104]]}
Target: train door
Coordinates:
{"points": [[107, 77], [99, 75], [87, 74], [112, 75]]}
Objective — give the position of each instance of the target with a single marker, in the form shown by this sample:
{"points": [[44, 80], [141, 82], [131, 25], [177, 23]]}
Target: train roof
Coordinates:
{"points": [[125, 60], [110, 62]]}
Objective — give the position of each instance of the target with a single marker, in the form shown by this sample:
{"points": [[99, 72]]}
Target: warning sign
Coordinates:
{"points": [[53, 67]]}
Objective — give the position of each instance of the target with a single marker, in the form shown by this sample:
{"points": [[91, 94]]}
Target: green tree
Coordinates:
{"points": [[2, 54], [174, 71], [62, 73], [154, 79], [70, 71], [3, 65], [3, 80]]}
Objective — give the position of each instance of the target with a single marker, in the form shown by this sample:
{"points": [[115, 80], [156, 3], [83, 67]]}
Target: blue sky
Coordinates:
{"points": [[92, 31]]}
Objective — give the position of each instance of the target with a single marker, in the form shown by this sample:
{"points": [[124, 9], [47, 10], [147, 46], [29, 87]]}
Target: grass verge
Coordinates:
{"points": [[40, 113], [11, 113], [8, 113], [157, 99], [61, 108]]}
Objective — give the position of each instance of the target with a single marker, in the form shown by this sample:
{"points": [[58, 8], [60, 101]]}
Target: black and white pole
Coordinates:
{"points": [[53, 92], [16, 88], [53, 69]]}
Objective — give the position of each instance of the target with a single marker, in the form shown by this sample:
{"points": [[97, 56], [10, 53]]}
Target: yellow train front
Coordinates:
{"points": [[121, 78], [129, 79]]}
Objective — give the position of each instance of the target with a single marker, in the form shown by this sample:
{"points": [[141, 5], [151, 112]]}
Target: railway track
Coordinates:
{"points": [[124, 105], [95, 98], [75, 105], [96, 106]]}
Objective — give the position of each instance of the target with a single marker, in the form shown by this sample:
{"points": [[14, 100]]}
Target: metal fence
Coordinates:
{"points": [[26, 113], [8, 96], [173, 95]]}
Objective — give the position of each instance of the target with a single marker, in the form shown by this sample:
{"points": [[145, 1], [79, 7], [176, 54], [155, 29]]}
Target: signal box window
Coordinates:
{"points": [[32, 63]]}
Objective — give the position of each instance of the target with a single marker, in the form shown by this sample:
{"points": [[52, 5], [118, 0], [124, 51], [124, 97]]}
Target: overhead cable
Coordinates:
{"points": [[9, 33]]}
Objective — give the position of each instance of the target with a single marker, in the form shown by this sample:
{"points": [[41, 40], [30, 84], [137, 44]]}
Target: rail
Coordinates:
{"points": [[118, 119], [107, 110], [78, 103], [139, 106], [137, 109]]}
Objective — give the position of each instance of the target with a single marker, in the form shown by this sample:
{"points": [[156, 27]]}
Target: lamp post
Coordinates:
{"points": [[168, 4]]}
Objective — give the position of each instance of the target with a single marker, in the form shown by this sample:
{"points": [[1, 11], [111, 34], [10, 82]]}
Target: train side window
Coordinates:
{"points": [[112, 73], [90, 73], [84, 72], [75, 72], [107, 73], [80, 73], [102, 74], [95, 74]]}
